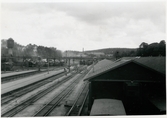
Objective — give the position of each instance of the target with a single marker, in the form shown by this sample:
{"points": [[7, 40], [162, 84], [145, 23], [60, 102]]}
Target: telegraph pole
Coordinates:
{"points": [[48, 64], [48, 67], [93, 64], [66, 56], [39, 64]]}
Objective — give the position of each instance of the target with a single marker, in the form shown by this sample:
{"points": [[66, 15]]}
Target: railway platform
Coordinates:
{"points": [[13, 85], [16, 73], [9, 74]]}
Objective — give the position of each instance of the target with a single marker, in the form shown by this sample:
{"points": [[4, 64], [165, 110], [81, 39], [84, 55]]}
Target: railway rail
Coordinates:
{"points": [[11, 112], [78, 105], [48, 108], [13, 77], [7, 97]]}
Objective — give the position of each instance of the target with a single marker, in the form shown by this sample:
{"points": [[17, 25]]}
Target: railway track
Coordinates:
{"points": [[78, 105], [30, 100], [11, 112], [47, 109], [6, 98], [9, 78], [50, 106]]}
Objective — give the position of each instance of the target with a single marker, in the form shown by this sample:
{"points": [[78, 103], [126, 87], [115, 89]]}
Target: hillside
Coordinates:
{"points": [[113, 50]]}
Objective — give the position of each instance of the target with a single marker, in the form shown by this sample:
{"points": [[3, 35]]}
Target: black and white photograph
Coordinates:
{"points": [[83, 58]]}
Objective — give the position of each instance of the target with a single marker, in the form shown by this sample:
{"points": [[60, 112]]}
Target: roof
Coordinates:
{"points": [[101, 68], [101, 64], [107, 107], [153, 63], [156, 63]]}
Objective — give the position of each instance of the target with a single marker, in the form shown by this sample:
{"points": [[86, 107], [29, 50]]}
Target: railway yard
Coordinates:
{"points": [[103, 88], [45, 93]]}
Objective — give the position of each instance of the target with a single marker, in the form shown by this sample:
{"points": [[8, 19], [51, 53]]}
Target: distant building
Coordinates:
{"points": [[98, 54], [73, 54], [109, 55]]}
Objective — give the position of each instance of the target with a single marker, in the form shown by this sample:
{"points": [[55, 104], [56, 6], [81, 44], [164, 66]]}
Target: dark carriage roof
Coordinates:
{"points": [[157, 64]]}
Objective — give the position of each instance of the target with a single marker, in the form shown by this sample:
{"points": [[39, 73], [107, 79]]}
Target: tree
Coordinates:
{"points": [[162, 48], [142, 49], [153, 49], [117, 55], [143, 45]]}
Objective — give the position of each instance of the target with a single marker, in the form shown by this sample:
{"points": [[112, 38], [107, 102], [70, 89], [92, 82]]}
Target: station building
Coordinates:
{"points": [[140, 83]]}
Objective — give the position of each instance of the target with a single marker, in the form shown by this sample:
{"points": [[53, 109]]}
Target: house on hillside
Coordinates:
{"points": [[73, 54], [140, 83], [97, 54]]}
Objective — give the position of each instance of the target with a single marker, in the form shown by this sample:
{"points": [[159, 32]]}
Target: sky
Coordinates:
{"points": [[89, 25]]}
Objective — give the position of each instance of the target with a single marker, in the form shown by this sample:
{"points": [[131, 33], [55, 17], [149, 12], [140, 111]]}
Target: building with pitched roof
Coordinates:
{"points": [[139, 82]]}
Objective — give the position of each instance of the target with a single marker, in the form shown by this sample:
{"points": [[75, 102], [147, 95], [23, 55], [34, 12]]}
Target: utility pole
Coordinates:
{"points": [[93, 66], [48, 64], [39, 64], [54, 56], [48, 67], [66, 56], [69, 64]]}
